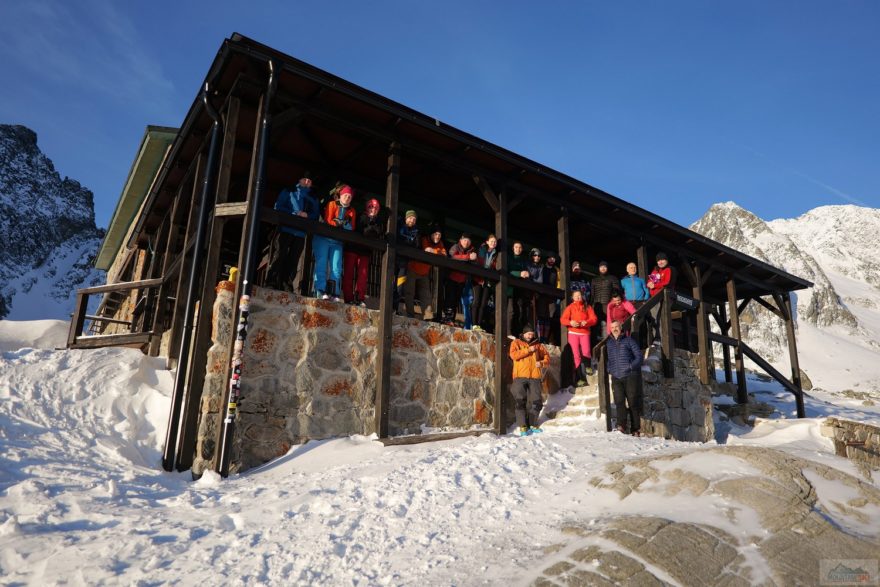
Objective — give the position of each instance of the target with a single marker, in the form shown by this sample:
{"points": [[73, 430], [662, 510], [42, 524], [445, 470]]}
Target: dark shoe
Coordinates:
{"points": [[621, 429]]}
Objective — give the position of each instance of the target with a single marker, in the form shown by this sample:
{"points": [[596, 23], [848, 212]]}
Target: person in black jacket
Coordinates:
{"points": [[407, 235], [624, 365], [602, 286], [357, 259]]}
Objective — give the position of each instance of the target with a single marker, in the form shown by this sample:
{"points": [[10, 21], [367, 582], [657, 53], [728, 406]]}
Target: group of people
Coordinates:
{"points": [[597, 307]]}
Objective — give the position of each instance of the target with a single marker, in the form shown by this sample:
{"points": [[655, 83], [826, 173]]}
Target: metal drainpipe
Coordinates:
{"points": [[247, 275], [170, 452]]}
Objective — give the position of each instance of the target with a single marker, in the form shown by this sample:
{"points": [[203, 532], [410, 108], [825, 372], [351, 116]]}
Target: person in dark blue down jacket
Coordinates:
{"points": [[285, 268], [624, 364]]}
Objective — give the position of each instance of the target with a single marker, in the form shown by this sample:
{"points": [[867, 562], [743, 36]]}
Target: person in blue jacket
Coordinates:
{"points": [[634, 288], [285, 268], [624, 365]]}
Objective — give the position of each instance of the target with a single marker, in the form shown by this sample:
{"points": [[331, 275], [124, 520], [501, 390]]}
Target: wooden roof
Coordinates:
{"points": [[334, 129]]}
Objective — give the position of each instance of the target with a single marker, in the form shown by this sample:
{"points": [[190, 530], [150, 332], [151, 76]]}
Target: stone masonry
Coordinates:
{"points": [[857, 441], [678, 408], [309, 372]]}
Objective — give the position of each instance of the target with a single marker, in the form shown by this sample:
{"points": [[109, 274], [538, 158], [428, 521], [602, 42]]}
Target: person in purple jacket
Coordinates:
{"points": [[624, 365]]}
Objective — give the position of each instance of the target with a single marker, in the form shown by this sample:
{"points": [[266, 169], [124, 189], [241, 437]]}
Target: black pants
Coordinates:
{"points": [[481, 299], [451, 298], [627, 400], [526, 400], [282, 274]]}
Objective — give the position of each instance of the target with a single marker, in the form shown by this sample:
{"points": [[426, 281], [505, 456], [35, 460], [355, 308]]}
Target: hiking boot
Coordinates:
{"points": [[535, 430], [522, 431], [621, 429], [589, 371]]}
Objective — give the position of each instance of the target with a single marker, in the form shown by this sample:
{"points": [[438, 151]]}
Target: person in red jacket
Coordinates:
{"points": [[464, 251], [659, 279], [618, 309], [579, 318]]}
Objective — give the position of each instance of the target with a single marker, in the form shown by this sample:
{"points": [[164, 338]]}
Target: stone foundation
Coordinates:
{"points": [[678, 408], [856, 441], [308, 372]]}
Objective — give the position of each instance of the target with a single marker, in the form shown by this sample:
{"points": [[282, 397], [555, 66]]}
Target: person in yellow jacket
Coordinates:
{"points": [[529, 361]]}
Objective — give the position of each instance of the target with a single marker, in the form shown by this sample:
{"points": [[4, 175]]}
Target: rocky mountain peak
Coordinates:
{"points": [[50, 223]]}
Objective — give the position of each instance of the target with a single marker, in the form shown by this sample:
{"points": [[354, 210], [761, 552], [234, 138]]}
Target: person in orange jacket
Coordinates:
{"points": [[579, 318], [530, 358]]}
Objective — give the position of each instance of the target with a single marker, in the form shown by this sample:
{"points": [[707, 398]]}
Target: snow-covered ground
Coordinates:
{"points": [[83, 499]]}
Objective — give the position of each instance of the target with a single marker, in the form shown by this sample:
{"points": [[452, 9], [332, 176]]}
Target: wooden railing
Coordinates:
{"points": [[139, 326], [767, 367]]}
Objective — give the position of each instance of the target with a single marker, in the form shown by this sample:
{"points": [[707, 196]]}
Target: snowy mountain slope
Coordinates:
{"points": [[83, 501], [48, 228], [838, 318]]}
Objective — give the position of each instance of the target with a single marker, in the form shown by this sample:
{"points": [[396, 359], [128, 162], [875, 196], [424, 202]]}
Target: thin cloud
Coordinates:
{"points": [[839, 193], [83, 45]]}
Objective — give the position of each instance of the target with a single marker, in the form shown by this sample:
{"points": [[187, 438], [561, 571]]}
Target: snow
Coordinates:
{"points": [[83, 499]]}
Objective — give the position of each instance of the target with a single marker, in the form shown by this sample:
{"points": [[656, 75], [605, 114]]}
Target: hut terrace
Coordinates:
{"points": [[262, 119]]}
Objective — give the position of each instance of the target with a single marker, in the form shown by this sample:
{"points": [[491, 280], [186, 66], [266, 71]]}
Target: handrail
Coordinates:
{"points": [[762, 362], [125, 286], [640, 314]]}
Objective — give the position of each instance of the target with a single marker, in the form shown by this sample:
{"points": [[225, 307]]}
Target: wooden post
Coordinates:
{"points": [[564, 271], [704, 347], [501, 332], [666, 341], [604, 387], [388, 284], [742, 395], [642, 261], [784, 302], [78, 319], [725, 350]]}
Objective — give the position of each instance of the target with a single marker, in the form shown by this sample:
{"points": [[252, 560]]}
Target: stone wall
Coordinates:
{"points": [[308, 372], [678, 408], [856, 441]]}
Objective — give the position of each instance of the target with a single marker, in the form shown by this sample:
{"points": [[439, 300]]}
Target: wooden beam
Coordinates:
{"points": [[604, 387], [78, 319], [230, 209], [501, 300], [487, 192], [642, 261], [115, 287], [770, 307], [386, 295], [102, 340], [793, 356], [422, 438], [706, 275], [706, 358], [724, 325], [689, 272], [666, 342], [742, 305], [742, 395], [564, 271]]}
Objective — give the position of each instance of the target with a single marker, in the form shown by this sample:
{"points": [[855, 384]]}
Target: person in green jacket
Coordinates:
{"points": [[517, 298]]}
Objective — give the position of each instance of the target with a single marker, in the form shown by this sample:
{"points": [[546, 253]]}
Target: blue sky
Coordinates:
{"points": [[671, 105]]}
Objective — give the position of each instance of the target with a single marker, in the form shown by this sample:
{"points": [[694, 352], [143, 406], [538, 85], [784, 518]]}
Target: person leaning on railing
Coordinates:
{"points": [[290, 242], [661, 277], [418, 276], [328, 251], [487, 256], [624, 365], [371, 224]]}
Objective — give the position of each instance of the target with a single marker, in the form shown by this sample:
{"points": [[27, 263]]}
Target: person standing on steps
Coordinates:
{"points": [[624, 365], [579, 318], [530, 358], [602, 285]]}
